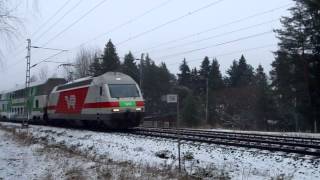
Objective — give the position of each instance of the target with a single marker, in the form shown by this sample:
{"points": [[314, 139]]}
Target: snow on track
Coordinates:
{"points": [[238, 163], [291, 134]]}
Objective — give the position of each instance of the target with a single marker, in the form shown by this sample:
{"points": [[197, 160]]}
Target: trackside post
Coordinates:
{"points": [[174, 98]]}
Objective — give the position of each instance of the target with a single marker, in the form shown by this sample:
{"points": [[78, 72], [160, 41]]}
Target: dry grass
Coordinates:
{"points": [[105, 168], [75, 173]]}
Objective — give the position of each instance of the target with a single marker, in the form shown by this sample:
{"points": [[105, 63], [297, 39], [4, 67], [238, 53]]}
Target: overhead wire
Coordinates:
{"points": [[150, 30], [46, 22], [96, 6], [59, 20], [75, 22], [51, 17], [44, 60], [169, 22], [228, 53], [125, 23], [216, 36], [215, 45], [216, 27]]}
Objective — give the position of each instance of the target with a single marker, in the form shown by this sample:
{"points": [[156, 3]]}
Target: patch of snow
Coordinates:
{"points": [[238, 163], [28, 162]]}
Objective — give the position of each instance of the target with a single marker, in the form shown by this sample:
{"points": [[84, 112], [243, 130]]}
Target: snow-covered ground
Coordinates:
{"points": [[18, 161], [210, 161]]}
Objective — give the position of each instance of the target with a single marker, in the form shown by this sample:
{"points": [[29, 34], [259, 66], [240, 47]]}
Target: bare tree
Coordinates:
{"points": [[67, 71], [10, 22], [43, 73], [83, 59], [33, 78]]}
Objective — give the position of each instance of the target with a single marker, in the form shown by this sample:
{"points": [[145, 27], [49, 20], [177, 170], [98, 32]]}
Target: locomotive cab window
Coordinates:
{"points": [[123, 90]]}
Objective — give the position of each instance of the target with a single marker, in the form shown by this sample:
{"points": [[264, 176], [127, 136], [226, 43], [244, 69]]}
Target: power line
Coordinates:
{"points": [[218, 35], [55, 49], [59, 20], [216, 27], [54, 15], [215, 45], [37, 47], [170, 22], [229, 53], [126, 23], [51, 17], [44, 60], [71, 24], [75, 22]]}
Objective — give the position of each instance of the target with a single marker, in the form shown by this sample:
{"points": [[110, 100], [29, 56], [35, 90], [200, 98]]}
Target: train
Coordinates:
{"points": [[112, 100]]}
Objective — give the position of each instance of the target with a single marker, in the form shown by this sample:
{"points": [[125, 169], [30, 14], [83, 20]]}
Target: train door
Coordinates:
{"points": [[99, 100]]}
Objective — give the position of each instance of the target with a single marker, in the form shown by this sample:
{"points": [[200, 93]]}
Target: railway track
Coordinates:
{"points": [[288, 144]]}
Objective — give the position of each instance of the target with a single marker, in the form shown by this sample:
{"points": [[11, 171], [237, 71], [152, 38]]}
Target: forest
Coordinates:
{"points": [[285, 99]]}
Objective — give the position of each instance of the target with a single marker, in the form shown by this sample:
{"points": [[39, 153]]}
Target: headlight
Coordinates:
{"points": [[138, 109], [115, 110]]}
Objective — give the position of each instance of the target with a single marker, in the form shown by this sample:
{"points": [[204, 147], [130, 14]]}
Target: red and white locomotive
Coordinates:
{"points": [[113, 100]]}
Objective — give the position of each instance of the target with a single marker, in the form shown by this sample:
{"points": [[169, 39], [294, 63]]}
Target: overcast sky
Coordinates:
{"points": [[223, 29]]}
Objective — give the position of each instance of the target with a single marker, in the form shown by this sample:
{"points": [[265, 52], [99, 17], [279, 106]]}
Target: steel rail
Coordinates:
{"points": [[299, 148]]}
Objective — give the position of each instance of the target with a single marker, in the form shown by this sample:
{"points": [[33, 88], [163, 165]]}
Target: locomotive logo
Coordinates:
{"points": [[71, 101]]}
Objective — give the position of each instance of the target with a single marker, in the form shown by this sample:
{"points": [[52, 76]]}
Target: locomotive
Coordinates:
{"points": [[112, 100]]}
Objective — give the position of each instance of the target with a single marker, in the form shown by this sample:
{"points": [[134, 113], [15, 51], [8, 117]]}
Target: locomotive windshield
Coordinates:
{"points": [[123, 90]]}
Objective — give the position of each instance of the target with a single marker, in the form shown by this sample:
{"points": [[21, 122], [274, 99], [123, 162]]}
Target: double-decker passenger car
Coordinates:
{"points": [[14, 106], [113, 100]]}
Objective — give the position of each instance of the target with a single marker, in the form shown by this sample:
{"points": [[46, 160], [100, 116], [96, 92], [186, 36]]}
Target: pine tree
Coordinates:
{"points": [[189, 115], [129, 67], [233, 74], [111, 60], [184, 76], [163, 79], [264, 108], [240, 73], [245, 72], [215, 84], [156, 83], [215, 77], [95, 67], [260, 78], [205, 68], [195, 82], [295, 73]]}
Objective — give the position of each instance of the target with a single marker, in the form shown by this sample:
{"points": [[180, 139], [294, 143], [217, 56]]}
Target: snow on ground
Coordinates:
{"points": [[28, 162], [22, 158], [199, 159]]}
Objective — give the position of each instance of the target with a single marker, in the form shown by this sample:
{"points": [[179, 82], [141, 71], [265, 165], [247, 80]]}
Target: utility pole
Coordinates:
{"points": [[179, 138], [141, 66], [207, 99], [27, 89]]}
